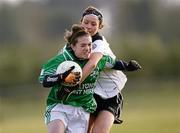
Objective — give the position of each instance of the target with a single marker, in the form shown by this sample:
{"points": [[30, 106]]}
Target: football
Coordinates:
{"points": [[64, 66]]}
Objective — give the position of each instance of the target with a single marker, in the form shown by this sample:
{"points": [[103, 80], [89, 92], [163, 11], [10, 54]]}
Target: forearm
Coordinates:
{"points": [[88, 68], [120, 65], [91, 65], [132, 65], [51, 80]]}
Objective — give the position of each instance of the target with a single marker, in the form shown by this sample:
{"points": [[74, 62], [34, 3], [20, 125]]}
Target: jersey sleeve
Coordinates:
{"points": [[110, 61], [50, 67], [106, 62], [102, 46], [98, 46]]}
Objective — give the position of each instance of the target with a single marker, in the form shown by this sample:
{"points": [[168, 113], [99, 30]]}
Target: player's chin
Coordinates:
{"points": [[86, 56]]}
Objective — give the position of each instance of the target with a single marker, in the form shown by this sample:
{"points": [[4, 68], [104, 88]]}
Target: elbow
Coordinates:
{"points": [[45, 85]]}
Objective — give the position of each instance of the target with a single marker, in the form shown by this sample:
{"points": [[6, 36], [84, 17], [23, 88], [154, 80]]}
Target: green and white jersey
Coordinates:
{"points": [[83, 96]]}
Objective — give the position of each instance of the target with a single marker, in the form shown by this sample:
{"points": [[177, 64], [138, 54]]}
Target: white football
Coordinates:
{"points": [[64, 66]]}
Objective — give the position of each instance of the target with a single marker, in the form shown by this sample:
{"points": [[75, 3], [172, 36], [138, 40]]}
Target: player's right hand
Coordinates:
{"points": [[73, 77], [64, 75], [70, 77]]}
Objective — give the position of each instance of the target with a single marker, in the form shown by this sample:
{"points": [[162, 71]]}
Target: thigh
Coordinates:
{"points": [[111, 104], [56, 126], [103, 122], [107, 111], [78, 122], [55, 112], [91, 123]]}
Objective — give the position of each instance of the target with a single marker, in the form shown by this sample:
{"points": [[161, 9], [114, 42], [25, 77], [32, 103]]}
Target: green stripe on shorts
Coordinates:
{"points": [[48, 113]]}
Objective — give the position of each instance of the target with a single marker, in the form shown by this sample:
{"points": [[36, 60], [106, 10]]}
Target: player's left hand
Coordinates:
{"points": [[133, 66], [64, 92]]}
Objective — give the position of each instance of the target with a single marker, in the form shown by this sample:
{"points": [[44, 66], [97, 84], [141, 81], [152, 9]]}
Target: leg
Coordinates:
{"points": [[78, 121], [103, 122], [91, 123], [56, 126]]}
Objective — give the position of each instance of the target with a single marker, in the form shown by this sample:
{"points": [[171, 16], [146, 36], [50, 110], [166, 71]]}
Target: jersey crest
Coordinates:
{"points": [[94, 46]]}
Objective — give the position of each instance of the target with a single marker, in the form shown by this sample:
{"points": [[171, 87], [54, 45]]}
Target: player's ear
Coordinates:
{"points": [[101, 26], [73, 47]]}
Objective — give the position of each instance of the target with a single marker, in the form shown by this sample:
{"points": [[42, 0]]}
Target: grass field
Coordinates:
{"points": [[148, 108]]}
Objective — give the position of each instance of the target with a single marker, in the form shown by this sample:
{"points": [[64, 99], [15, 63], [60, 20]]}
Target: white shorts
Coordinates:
{"points": [[75, 119]]}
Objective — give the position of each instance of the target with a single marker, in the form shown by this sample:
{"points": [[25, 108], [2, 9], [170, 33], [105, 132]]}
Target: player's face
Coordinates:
{"points": [[82, 48], [91, 23]]}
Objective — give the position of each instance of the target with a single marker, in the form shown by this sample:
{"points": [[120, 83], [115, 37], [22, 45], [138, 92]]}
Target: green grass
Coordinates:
{"points": [[22, 117], [148, 108], [152, 108]]}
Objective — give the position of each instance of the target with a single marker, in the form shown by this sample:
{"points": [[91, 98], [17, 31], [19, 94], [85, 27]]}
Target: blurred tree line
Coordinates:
{"points": [[32, 32]]}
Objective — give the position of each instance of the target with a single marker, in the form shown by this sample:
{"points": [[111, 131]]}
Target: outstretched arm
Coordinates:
{"points": [[132, 65]]}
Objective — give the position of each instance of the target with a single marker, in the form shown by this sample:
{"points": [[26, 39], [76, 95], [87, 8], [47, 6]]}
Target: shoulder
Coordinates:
{"points": [[99, 40], [59, 57], [100, 45], [55, 60], [97, 36]]}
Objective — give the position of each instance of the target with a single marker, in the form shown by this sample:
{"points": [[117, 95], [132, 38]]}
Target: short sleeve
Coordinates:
{"points": [[98, 46]]}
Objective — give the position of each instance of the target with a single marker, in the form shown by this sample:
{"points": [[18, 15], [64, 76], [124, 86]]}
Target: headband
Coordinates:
{"points": [[94, 12]]}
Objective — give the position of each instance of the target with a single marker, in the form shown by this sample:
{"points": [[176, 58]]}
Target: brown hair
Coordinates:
{"points": [[76, 31], [94, 11]]}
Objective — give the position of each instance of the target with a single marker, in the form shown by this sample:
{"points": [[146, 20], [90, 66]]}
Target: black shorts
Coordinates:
{"points": [[113, 105]]}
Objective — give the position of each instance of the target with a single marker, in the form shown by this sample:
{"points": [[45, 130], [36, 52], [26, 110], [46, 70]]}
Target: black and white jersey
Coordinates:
{"points": [[110, 81]]}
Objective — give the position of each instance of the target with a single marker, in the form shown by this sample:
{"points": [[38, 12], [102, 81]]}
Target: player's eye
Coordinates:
{"points": [[94, 24], [89, 44]]}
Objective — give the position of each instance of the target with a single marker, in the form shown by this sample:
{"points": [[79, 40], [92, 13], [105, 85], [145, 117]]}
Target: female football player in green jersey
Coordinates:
{"points": [[68, 108]]}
